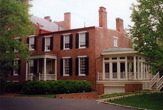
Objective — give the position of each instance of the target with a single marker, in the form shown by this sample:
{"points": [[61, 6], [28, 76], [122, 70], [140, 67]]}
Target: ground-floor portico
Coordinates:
{"points": [[42, 67]]}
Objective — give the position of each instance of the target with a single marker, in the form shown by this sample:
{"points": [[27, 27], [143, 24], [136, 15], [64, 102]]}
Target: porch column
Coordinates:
{"points": [[141, 74], [126, 68], [44, 69], [118, 70], [55, 69], [134, 67], [111, 70], [26, 77]]}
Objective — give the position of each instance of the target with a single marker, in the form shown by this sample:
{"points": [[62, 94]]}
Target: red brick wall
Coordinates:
{"points": [[100, 89], [133, 87]]}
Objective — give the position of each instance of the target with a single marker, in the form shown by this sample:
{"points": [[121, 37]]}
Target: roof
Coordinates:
{"points": [[116, 51], [45, 24]]}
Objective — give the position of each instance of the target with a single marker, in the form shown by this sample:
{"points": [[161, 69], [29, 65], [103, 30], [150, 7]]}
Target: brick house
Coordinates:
{"points": [[62, 53]]}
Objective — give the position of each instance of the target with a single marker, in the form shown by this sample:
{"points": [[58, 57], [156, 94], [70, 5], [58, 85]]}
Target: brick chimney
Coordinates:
{"points": [[102, 17], [67, 20], [48, 18], [119, 25]]}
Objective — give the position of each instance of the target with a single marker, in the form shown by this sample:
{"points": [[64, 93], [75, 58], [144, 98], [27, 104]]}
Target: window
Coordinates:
{"points": [[82, 63], [31, 42], [115, 41], [31, 66], [66, 66], [66, 41], [82, 40], [47, 43], [16, 70]]}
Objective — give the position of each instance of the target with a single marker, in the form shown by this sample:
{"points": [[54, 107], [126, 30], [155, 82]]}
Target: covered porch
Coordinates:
{"points": [[42, 67]]}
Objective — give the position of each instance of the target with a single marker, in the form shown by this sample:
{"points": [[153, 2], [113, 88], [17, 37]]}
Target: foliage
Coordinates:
{"points": [[150, 101], [13, 87], [14, 22], [147, 33], [56, 87]]}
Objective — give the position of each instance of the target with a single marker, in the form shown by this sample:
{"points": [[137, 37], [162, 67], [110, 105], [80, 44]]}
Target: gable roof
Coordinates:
{"points": [[45, 24]]}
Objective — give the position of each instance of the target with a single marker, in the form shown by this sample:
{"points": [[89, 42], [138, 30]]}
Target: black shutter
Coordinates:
{"points": [[61, 67], [87, 66], [77, 40], [71, 41], [19, 67], [77, 66], [61, 42], [87, 39], [43, 44], [35, 38], [51, 43], [28, 40], [70, 69], [20, 39]]}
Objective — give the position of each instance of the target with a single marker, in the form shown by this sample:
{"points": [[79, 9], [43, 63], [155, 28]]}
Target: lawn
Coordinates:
{"points": [[48, 95], [149, 101]]}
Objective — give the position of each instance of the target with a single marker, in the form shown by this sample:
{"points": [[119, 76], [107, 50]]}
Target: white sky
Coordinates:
{"points": [[83, 11]]}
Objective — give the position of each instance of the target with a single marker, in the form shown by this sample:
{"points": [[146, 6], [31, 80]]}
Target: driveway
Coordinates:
{"points": [[12, 103]]}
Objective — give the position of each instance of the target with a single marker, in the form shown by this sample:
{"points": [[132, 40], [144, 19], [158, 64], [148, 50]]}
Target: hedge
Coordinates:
{"points": [[56, 87]]}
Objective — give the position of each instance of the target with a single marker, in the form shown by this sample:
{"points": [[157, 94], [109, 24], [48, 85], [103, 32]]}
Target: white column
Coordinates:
{"points": [[141, 71], [118, 70], [134, 67], [44, 69], [126, 68], [26, 77], [55, 69], [111, 71]]}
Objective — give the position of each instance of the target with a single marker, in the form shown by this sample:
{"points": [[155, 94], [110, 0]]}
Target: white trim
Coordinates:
{"points": [[31, 36], [64, 48], [79, 45], [115, 41], [45, 47], [79, 65], [64, 66], [48, 36], [82, 56], [66, 34], [65, 57], [82, 32]]}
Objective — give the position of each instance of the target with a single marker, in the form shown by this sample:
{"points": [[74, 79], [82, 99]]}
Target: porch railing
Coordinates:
{"points": [[32, 77], [154, 79], [160, 83]]}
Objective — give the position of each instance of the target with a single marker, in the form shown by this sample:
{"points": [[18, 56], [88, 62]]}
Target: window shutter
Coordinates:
{"points": [[61, 42], [28, 40], [87, 66], [77, 66], [77, 40], [19, 67], [61, 67], [51, 43], [87, 39], [43, 44], [35, 38], [20, 39], [70, 66], [71, 41]]}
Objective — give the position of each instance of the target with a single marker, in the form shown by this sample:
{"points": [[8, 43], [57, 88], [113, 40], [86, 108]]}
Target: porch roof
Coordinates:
{"points": [[113, 51], [43, 55]]}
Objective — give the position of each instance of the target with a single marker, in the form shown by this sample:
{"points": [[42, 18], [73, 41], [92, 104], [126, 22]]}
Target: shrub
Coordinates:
{"points": [[13, 87]]}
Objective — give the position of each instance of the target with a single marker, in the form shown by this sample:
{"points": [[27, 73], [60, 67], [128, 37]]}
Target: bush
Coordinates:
{"points": [[56, 87], [13, 87]]}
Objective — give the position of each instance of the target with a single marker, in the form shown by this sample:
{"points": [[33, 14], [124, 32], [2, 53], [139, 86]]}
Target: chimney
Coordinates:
{"points": [[67, 20], [48, 18], [119, 25], [102, 17]]}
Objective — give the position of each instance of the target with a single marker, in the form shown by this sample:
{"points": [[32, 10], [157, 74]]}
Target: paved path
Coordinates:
{"points": [[16, 103]]}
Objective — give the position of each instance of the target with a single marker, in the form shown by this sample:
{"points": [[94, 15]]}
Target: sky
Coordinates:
{"points": [[84, 12]]}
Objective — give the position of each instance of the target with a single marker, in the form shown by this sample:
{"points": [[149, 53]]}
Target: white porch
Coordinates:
{"points": [[42, 67]]}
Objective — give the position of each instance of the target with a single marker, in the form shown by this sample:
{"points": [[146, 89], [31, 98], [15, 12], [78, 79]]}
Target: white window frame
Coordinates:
{"points": [[115, 41], [64, 64], [31, 37], [16, 62], [64, 41], [45, 45], [30, 65], [79, 66], [83, 32]]}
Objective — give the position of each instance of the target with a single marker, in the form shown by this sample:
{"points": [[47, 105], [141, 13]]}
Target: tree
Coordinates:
{"points": [[14, 22], [147, 32]]}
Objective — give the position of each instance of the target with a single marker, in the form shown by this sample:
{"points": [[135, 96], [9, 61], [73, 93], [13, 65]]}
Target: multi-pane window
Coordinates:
{"points": [[16, 70], [115, 42], [31, 43], [66, 41], [66, 66], [82, 66], [31, 66], [82, 40], [47, 43]]}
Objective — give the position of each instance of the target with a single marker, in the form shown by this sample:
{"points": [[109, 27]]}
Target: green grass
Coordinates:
{"points": [[149, 101], [48, 95]]}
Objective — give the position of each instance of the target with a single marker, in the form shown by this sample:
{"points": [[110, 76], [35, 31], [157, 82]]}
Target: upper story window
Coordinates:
{"points": [[66, 41], [31, 40], [82, 40], [66, 66], [47, 43], [115, 42], [82, 63]]}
